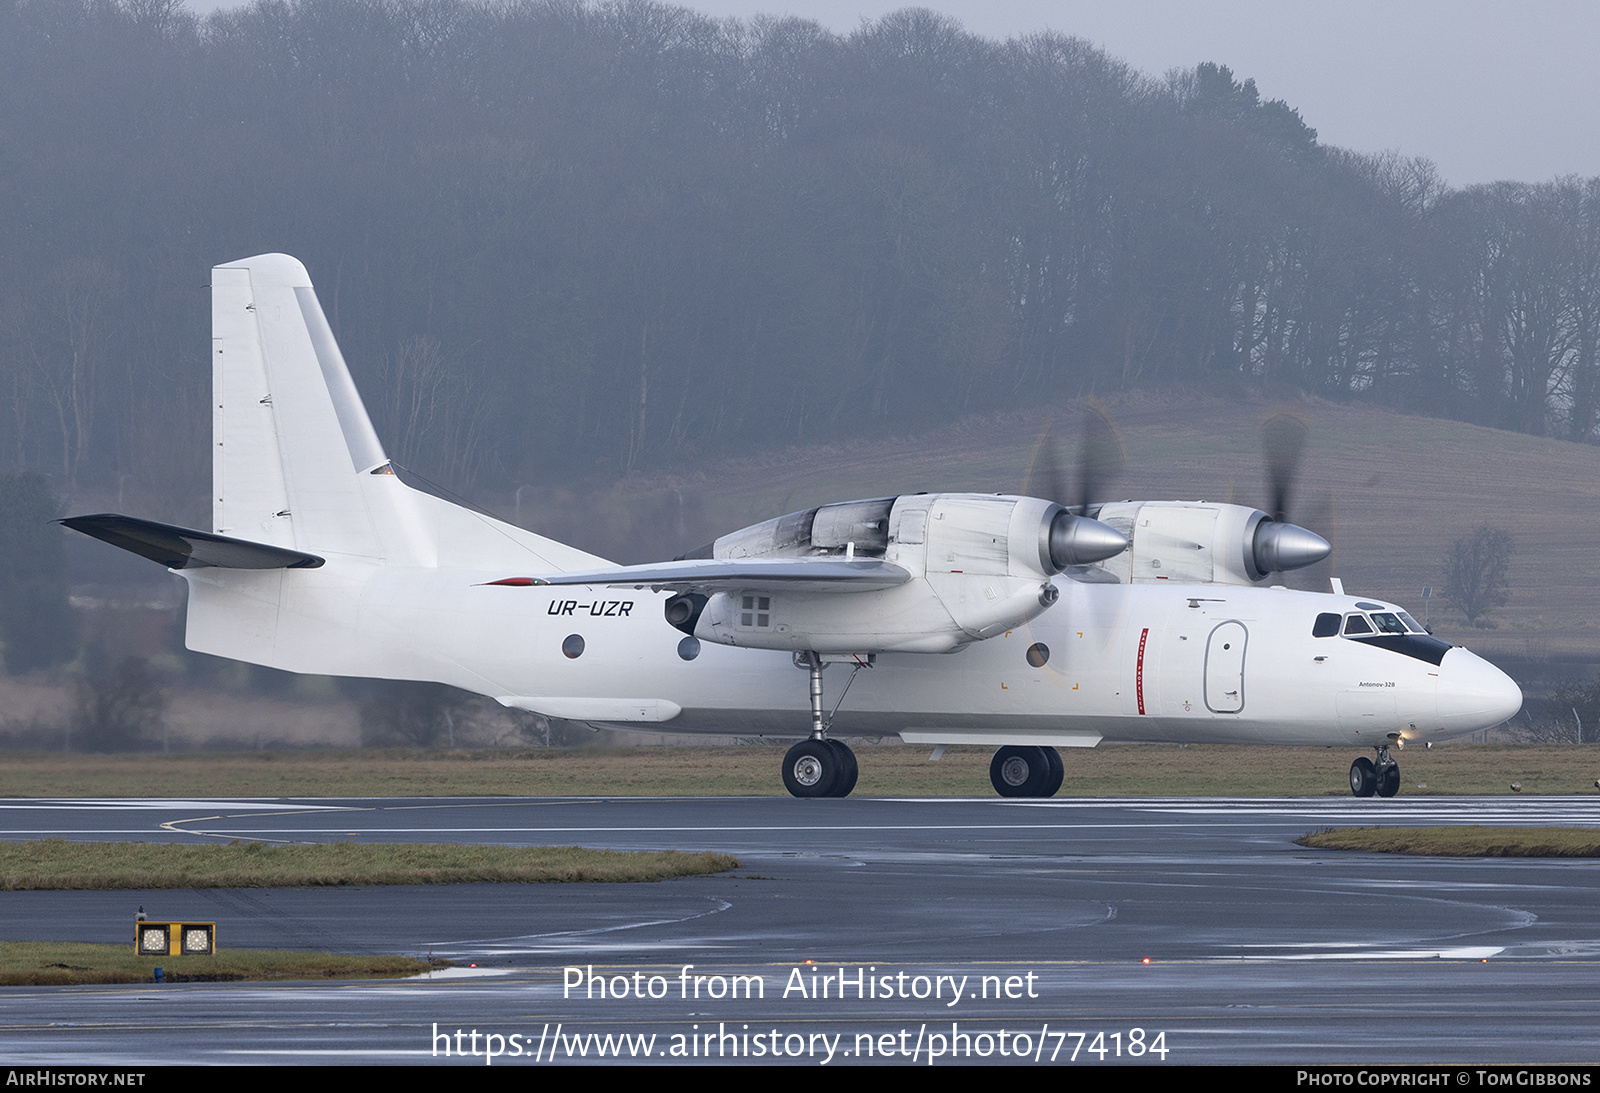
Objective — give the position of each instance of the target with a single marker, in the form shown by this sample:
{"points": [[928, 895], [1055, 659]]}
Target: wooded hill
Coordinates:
{"points": [[564, 238]]}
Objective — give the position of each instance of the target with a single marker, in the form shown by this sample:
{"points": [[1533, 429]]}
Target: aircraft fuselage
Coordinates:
{"points": [[1114, 662]]}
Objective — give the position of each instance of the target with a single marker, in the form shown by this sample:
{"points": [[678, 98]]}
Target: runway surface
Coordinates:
{"points": [[1182, 930]]}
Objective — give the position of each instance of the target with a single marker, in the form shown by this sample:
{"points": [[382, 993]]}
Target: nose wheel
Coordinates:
{"points": [[1381, 778]]}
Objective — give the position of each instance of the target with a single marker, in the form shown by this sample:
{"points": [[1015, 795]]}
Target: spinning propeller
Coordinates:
{"points": [[1102, 454], [1274, 544], [1283, 442], [1278, 544], [1075, 539]]}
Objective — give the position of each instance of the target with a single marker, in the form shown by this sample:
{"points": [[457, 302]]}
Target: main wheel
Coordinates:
{"points": [[1058, 771], [811, 769], [1364, 777], [1389, 780], [848, 770], [1018, 771]]}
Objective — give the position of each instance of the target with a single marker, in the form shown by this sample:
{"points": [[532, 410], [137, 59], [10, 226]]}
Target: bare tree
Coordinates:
{"points": [[119, 710], [36, 625], [1475, 573], [1579, 701]]}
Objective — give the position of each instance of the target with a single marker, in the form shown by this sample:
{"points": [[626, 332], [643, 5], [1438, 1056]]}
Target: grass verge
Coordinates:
{"points": [[890, 770], [59, 864], [62, 963], [1463, 842]]}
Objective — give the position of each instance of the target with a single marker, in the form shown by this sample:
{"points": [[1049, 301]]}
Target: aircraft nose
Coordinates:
{"points": [[1474, 694]]}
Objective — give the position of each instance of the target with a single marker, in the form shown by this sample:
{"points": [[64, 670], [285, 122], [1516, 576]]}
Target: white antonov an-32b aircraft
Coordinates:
{"points": [[1010, 622]]}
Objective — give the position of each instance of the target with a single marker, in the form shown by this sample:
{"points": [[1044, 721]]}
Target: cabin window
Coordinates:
{"points": [[1326, 626]]}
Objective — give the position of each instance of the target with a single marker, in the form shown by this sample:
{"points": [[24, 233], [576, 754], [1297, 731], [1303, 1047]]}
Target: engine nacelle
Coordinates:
{"points": [[1201, 542], [980, 564]]}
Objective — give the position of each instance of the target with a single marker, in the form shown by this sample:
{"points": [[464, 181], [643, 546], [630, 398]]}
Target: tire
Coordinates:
{"points": [[1058, 771], [1018, 771], [848, 771], [1363, 777], [1389, 780], [810, 769]]}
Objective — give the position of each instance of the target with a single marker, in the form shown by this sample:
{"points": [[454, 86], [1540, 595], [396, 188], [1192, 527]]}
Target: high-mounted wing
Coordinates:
{"points": [[748, 574], [918, 573]]}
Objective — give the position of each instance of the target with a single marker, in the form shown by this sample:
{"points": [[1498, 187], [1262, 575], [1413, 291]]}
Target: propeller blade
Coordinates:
{"points": [[1044, 478], [1284, 432], [1075, 540], [1102, 454]]}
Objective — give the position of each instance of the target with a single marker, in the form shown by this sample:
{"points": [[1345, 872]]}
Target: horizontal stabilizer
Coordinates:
{"points": [[756, 574], [185, 548]]}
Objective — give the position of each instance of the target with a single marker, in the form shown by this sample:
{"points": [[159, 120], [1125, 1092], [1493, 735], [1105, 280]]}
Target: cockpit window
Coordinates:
{"points": [[1388, 622], [1394, 630], [1326, 626]]}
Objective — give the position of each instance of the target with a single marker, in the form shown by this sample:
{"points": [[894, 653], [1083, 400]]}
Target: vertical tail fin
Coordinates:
{"points": [[296, 463], [291, 437]]}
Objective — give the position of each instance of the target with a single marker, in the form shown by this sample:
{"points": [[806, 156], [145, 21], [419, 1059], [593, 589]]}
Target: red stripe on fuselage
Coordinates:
{"points": [[1138, 673]]}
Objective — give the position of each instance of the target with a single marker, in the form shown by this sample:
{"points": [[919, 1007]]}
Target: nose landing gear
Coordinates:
{"points": [[1382, 777]]}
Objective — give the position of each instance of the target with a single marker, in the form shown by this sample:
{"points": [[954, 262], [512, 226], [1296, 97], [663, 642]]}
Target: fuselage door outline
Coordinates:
{"points": [[1224, 669]]}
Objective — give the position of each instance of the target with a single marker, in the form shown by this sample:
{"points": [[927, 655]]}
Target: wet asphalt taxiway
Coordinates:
{"points": [[1178, 930]]}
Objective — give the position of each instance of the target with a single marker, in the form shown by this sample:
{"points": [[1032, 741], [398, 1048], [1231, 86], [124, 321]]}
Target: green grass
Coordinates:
{"points": [[59, 864], [886, 770], [58, 963], [1463, 842]]}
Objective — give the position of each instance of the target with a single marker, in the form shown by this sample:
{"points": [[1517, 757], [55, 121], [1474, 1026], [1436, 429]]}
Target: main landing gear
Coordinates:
{"points": [[1382, 777], [823, 767], [820, 767], [1026, 771]]}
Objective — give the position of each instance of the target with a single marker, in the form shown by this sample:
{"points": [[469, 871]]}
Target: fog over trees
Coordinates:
{"points": [[561, 237]]}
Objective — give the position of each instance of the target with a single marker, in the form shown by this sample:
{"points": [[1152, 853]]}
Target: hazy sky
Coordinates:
{"points": [[1487, 89]]}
